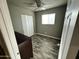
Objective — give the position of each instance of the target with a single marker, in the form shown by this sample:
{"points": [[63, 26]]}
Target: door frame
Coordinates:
{"points": [[7, 31], [66, 39], [68, 28]]}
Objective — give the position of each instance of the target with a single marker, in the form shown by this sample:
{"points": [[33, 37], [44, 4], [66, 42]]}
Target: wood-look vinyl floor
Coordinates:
{"points": [[44, 47]]}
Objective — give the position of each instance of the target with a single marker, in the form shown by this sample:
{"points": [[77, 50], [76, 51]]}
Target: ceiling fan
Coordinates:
{"points": [[39, 3], [36, 3]]}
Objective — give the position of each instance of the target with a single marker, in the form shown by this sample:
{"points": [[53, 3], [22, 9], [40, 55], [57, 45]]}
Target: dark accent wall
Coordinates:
{"points": [[52, 30]]}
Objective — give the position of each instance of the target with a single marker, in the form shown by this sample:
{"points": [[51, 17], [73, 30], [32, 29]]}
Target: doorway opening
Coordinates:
{"points": [[37, 28]]}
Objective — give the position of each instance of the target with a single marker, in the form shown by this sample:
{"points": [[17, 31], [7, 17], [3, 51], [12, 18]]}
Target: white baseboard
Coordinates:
{"points": [[48, 36]]}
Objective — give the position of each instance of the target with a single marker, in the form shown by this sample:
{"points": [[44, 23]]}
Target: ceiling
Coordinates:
{"points": [[32, 5]]}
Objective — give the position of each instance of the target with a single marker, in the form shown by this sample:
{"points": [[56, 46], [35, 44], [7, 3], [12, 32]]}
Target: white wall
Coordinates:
{"points": [[16, 12]]}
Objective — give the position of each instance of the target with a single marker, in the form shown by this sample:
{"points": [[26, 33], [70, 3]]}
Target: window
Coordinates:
{"points": [[48, 19]]}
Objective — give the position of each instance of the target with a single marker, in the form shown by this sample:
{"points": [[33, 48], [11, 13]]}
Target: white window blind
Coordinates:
{"points": [[27, 22], [48, 19]]}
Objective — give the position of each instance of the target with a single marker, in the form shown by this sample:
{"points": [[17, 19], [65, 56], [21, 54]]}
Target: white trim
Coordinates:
{"points": [[7, 31], [69, 25], [69, 34], [6, 38], [48, 36]]}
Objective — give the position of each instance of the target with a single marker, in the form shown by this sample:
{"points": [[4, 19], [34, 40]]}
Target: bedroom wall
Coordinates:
{"points": [[16, 12], [52, 30]]}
